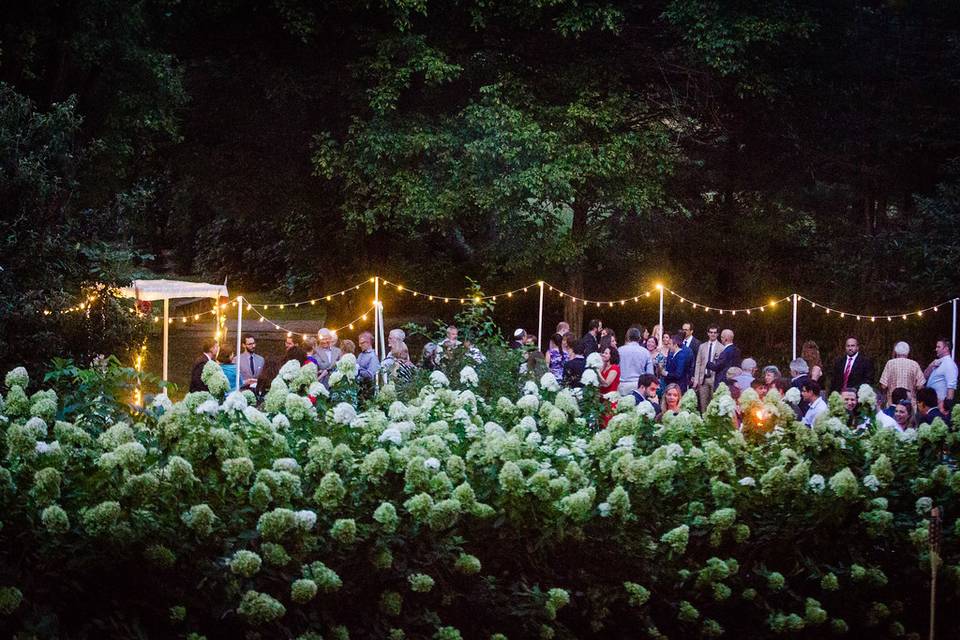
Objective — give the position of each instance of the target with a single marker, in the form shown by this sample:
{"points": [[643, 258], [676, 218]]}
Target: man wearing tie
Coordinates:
{"points": [[853, 369], [250, 363], [678, 357], [703, 377], [690, 342]]}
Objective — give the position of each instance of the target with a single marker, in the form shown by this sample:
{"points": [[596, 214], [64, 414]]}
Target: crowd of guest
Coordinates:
{"points": [[652, 364]]}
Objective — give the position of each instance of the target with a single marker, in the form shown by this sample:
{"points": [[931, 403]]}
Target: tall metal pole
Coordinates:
{"points": [[662, 329], [795, 305], [376, 317], [166, 337], [953, 333], [540, 321], [239, 333]]}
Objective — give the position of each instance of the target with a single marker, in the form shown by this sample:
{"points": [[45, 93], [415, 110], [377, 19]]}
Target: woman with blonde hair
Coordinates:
{"points": [[811, 353]]}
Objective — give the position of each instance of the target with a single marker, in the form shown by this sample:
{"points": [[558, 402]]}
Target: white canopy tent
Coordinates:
{"points": [[165, 290]]}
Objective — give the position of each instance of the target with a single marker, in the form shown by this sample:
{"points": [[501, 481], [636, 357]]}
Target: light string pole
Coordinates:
{"points": [[540, 320], [660, 287], [166, 338], [239, 333], [376, 317], [795, 307], [953, 332]]}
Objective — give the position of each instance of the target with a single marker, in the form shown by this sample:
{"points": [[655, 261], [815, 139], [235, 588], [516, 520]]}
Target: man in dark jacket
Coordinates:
{"points": [[729, 357], [591, 338], [853, 369], [210, 350]]}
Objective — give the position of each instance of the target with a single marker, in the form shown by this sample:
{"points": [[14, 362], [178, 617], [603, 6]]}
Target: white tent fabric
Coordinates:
{"points": [[167, 289]]}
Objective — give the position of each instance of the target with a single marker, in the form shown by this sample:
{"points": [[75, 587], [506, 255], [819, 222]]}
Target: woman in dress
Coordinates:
{"points": [[556, 356], [811, 353], [609, 380], [671, 401]]}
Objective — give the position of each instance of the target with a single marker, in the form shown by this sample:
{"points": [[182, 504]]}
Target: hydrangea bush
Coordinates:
{"points": [[450, 514]]}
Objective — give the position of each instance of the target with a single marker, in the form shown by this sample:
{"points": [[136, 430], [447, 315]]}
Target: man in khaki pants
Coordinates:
{"points": [[703, 378]]}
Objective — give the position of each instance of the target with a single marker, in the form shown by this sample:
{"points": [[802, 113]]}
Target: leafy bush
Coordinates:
{"points": [[455, 514]]}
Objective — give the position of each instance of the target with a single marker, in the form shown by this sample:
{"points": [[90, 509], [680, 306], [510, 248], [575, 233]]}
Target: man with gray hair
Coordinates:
{"points": [[799, 375], [634, 362], [748, 369], [326, 354], [901, 371]]}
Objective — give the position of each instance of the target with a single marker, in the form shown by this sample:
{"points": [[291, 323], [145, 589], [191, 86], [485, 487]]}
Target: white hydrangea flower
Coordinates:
{"points": [[286, 464], [257, 417], [208, 407], [397, 410], [626, 442], [871, 482], [460, 415], [492, 428], [534, 438], [792, 395], [604, 508], [817, 483], [923, 505], [391, 434], [528, 403], [627, 401], [469, 377], [289, 370], [563, 452], [236, 401], [472, 431], [42, 447], [673, 450], [344, 413], [867, 396], [645, 409], [530, 388], [907, 435], [335, 378], [549, 382], [38, 427], [589, 378], [612, 396], [306, 519], [280, 422], [432, 464], [747, 481], [527, 423], [347, 366], [317, 390], [162, 401], [438, 379], [594, 361], [726, 406]]}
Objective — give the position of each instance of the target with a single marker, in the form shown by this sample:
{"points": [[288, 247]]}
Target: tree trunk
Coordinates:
{"points": [[573, 310]]}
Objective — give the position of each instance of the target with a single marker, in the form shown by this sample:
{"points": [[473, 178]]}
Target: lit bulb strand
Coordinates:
{"points": [[350, 325], [732, 312], [459, 299], [597, 303], [313, 301], [873, 317]]}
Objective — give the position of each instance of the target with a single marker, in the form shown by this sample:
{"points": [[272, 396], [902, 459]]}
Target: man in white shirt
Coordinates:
{"points": [[810, 392], [634, 362], [941, 374]]}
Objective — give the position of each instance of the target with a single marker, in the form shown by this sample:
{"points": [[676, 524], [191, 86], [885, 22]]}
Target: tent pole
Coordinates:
{"points": [[166, 337], [540, 321], [239, 330]]}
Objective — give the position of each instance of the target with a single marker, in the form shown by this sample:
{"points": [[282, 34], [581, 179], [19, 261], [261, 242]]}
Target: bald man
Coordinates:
{"points": [[729, 357]]}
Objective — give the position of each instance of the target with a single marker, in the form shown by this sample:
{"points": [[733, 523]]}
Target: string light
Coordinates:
{"points": [[843, 314], [290, 331], [597, 303], [312, 301], [721, 311], [476, 299]]}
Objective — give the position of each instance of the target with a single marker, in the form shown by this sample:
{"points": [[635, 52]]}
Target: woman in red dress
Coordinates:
{"points": [[609, 379]]}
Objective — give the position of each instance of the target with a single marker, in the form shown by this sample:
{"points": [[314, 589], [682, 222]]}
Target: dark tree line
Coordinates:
{"points": [[727, 147]]}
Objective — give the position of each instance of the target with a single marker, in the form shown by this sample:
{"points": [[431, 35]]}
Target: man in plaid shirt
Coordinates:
{"points": [[901, 371]]}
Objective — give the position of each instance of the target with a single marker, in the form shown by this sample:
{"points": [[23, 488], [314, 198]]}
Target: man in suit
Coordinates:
{"points": [[210, 349], [853, 369], [677, 365], [799, 376], [249, 362], [703, 377], [326, 354], [690, 342], [729, 357], [591, 338]]}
